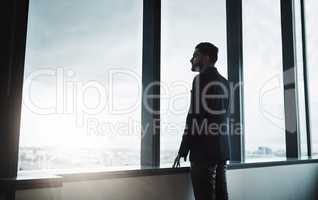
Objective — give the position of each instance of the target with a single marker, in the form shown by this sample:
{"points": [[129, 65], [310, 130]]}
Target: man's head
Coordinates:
{"points": [[204, 54]]}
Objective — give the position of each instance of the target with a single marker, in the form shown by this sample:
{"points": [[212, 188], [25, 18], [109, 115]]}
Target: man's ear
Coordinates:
{"points": [[206, 59], [214, 59]]}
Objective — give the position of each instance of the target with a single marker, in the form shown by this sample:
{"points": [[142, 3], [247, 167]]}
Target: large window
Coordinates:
{"points": [[82, 89], [312, 58], [263, 80], [81, 96], [184, 25]]}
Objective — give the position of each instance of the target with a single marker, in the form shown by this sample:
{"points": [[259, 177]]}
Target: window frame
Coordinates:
{"points": [[305, 77]]}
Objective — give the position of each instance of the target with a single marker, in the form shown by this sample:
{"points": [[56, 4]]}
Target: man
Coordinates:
{"points": [[205, 135]]}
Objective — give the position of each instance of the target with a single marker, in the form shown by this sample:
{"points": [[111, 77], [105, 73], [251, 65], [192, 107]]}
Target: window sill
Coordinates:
{"points": [[32, 180], [256, 164]]}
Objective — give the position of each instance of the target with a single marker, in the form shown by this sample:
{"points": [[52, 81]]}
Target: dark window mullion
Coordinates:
{"points": [[305, 77], [150, 141], [289, 79], [235, 76]]}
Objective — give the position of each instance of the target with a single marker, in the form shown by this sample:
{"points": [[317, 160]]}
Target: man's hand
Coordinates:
{"points": [[176, 163]]}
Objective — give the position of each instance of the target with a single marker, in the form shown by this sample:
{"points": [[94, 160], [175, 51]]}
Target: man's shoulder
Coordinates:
{"points": [[223, 79], [212, 75]]}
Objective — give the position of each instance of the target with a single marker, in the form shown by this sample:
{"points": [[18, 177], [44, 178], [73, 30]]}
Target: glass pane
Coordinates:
{"points": [[181, 32], [263, 80], [312, 56], [300, 81], [82, 61]]}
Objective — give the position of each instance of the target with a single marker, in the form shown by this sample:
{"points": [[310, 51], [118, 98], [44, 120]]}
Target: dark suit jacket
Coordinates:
{"points": [[206, 131]]}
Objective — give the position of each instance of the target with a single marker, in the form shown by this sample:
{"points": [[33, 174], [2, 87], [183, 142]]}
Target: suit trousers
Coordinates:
{"points": [[209, 181]]}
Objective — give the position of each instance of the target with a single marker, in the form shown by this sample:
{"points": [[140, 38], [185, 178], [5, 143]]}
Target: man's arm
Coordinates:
{"points": [[184, 147], [186, 138], [185, 143]]}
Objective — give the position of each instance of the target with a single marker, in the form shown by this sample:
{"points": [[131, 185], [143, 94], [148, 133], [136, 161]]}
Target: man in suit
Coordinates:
{"points": [[206, 132]]}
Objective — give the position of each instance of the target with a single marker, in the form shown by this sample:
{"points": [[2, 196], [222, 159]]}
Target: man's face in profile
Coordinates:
{"points": [[198, 60]]}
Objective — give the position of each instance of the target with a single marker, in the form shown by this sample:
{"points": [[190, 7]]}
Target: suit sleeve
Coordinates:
{"points": [[185, 143], [186, 138]]}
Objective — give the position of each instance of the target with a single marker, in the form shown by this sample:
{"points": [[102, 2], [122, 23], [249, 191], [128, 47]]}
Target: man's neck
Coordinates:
{"points": [[205, 67]]}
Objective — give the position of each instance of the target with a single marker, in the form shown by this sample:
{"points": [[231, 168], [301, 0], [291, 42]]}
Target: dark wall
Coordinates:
{"points": [[13, 36]]}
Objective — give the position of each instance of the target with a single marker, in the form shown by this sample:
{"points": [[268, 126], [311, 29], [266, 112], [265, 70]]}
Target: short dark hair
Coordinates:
{"points": [[208, 49]]}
